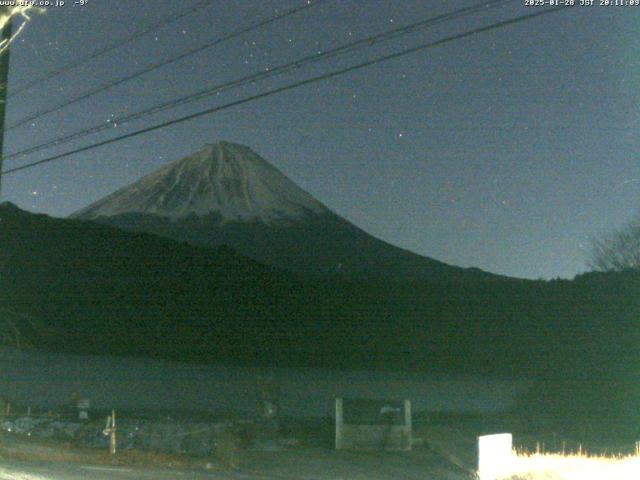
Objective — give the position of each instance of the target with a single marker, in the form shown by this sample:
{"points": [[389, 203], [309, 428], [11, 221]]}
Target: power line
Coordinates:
{"points": [[366, 42], [262, 74], [156, 66], [110, 47], [292, 86]]}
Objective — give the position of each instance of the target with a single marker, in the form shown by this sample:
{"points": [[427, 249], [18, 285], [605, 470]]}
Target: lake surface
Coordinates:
{"points": [[47, 380]]}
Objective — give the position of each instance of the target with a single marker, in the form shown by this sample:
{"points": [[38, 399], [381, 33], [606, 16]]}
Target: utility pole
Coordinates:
{"points": [[5, 36]]}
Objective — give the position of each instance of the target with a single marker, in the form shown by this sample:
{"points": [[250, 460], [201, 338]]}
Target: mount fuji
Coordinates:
{"points": [[226, 194]]}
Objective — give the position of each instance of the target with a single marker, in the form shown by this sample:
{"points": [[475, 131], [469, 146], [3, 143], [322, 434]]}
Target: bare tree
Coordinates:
{"points": [[617, 251]]}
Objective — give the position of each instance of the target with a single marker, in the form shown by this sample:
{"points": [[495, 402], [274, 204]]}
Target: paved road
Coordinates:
{"points": [[311, 464], [15, 470]]}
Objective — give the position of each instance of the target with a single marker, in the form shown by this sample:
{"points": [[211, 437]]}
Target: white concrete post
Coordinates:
{"points": [[339, 423], [494, 456], [408, 424]]}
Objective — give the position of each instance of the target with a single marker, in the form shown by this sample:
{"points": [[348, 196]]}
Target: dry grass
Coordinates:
{"points": [[29, 449], [228, 449], [546, 466]]}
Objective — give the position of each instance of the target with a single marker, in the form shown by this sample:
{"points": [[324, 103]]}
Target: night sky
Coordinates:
{"points": [[506, 151]]}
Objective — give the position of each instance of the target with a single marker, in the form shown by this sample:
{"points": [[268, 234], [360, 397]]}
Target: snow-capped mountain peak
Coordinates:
{"points": [[225, 179]]}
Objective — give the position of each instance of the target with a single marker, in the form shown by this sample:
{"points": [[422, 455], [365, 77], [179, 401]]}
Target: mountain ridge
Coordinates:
{"points": [[228, 179], [255, 209]]}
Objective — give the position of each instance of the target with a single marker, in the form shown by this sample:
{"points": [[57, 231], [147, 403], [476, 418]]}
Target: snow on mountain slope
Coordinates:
{"points": [[226, 194], [226, 179]]}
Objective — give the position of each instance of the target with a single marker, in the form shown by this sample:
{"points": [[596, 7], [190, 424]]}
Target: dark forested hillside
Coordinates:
{"points": [[93, 288], [102, 288]]}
